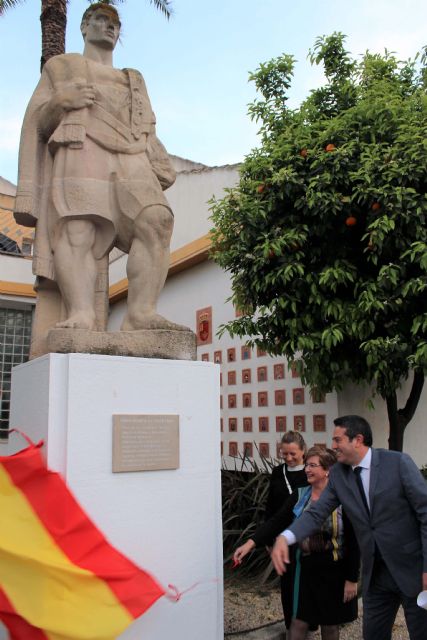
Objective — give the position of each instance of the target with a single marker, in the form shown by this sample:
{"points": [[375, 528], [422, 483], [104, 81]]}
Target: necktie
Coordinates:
{"points": [[357, 472]]}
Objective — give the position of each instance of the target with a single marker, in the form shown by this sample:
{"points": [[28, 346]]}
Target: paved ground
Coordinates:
{"points": [[248, 605]]}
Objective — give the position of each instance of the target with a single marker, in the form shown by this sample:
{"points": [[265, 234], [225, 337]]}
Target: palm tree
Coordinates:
{"points": [[53, 20]]}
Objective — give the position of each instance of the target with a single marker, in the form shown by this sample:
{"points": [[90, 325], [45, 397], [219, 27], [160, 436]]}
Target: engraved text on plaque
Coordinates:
{"points": [[145, 442]]}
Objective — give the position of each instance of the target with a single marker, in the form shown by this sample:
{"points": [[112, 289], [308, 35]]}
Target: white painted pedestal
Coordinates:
{"points": [[168, 522]]}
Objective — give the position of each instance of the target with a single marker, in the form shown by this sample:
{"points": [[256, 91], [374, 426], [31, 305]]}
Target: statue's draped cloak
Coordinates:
{"points": [[102, 163]]}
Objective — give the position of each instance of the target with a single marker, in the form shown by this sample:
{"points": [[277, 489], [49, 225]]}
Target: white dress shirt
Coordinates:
{"points": [[365, 474]]}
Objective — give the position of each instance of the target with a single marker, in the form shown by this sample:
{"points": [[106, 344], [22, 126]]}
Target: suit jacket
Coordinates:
{"points": [[397, 522], [267, 532]]}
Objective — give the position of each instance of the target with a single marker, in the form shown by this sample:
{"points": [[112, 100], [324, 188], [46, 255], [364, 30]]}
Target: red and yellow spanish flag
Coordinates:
{"points": [[59, 577]]}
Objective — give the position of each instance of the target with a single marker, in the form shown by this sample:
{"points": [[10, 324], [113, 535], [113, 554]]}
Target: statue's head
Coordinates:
{"points": [[101, 25]]}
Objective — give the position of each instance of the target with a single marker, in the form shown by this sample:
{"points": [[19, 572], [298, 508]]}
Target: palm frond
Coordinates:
{"points": [[8, 4], [165, 6]]}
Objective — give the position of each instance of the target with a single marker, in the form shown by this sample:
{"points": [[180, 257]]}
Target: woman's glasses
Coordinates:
{"points": [[311, 465]]}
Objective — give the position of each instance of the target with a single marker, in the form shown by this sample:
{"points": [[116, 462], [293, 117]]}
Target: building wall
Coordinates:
{"points": [[356, 400], [278, 400], [189, 198], [15, 268], [204, 286]]}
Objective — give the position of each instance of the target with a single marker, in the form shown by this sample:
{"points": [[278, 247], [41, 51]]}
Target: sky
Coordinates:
{"points": [[196, 65]]}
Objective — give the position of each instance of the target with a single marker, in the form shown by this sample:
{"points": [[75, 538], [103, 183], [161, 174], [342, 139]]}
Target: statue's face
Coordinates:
{"points": [[102, 29]]}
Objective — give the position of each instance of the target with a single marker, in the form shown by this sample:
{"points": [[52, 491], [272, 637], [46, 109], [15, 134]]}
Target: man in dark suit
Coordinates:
{"points": [[385, 497]]}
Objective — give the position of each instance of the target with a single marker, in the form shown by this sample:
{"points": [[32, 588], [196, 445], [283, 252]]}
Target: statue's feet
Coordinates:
{"points": [[137, 322], [78, 320]]}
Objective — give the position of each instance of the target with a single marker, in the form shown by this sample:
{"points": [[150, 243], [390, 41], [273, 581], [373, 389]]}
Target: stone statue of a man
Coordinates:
{"points": [[91, 176]]}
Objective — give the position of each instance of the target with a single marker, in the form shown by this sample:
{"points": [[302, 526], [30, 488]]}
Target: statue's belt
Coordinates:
{"points": [[101, 127]]}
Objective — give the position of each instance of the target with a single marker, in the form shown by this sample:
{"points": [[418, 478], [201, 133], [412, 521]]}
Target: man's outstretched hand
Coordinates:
{"points": [[280, 555]]}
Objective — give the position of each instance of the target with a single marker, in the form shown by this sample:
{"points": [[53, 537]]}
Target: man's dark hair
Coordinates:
{"points": [[355, 425]]}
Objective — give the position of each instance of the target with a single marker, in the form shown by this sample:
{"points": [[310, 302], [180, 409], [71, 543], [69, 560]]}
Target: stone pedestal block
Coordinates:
{"points": [[152, 343]]}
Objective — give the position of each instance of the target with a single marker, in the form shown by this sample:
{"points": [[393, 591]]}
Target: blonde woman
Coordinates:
{"points": [[284, 480], [289, 475]]}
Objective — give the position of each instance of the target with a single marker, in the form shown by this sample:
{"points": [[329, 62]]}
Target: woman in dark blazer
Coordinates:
{"points": [[288, 476], [285, 479]]}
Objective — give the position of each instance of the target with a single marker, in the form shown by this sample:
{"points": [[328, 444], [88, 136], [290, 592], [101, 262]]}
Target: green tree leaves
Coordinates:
{"points": [[325, 236]]}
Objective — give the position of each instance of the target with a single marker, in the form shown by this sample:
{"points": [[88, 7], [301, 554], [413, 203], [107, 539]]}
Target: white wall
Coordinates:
{"points": [[189, 198], [355, 400], [16, 269]]}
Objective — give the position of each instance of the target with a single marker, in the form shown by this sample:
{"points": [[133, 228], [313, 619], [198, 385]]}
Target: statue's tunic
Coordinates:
{"points": [[102, 163]]}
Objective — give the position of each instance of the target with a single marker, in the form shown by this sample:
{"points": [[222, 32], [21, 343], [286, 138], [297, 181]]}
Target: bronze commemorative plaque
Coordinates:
{"points": [[145, 442]]}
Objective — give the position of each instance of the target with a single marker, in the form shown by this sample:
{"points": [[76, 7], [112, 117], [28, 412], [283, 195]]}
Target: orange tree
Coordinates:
{"points": [[325, 235]]}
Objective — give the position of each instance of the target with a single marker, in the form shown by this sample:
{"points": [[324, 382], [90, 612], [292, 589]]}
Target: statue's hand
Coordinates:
{"points": [[75, 96]]}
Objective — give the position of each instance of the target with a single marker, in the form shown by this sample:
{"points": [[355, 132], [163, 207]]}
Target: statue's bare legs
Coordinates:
{"points": [[147, 268], [76, 272]]}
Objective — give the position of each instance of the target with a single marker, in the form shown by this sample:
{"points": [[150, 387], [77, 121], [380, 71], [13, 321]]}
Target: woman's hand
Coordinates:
{"points": [[350, 590], [243, 551]]}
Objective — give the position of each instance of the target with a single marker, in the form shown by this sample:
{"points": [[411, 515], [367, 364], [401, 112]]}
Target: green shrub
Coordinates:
{"points": [[244, 496]]}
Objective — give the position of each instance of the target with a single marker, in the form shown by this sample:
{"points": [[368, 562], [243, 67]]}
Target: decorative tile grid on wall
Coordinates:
{"points": [[246, 400], [263, 391], [319, 423], [264, 449], [263, 424], [279, 397], [280, 424], [246, 376], [262, 398], [231, 377], [247, 424], [248, 449], [15, 335]]}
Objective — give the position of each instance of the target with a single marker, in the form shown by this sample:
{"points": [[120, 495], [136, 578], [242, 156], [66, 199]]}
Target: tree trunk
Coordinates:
{"points": [[400, 418], [53, 20]]}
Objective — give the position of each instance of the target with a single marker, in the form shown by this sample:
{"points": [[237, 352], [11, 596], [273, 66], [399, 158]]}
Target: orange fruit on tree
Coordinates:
{"points": [[260, 187], [303, 153], [330, 147], [351, 221], [376, 206]]}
